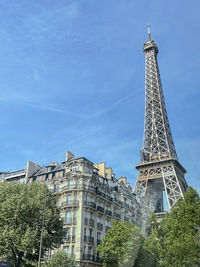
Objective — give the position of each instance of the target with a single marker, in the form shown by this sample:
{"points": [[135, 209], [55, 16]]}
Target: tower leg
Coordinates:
{"points": [[172, 186]]}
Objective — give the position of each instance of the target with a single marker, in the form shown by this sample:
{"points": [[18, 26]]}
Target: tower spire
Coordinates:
{"points": [[159, 169], [149, 32]]}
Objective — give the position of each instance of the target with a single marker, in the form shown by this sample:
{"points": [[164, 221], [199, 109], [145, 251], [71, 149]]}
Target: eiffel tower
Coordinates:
{"points": [[159, 169]]}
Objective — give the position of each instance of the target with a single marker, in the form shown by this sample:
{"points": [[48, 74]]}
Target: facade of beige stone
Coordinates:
{"points": [[90, 198]]}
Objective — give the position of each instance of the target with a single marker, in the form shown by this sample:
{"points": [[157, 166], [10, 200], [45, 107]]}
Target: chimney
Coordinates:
{"points": [[69, 155]]}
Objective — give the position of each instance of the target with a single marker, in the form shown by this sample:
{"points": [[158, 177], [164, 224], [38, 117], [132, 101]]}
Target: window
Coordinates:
{"points": [[98, 219], [99, 203], [56, 187], [74, 216], [67, 233], [89, 250], [108, 208], [85, 231], [108, 223], [74, 168], [68, 215], [66, 250], [85, 196], [69, 198], [98, 236], [73, 232], [90, 215], [90, 232], [72, 251], [70, 183], [75, 195]]}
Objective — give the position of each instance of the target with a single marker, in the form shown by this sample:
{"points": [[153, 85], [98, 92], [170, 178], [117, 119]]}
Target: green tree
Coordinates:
{"points": [[148, 255], [179, 233], [121, 244], [59, 259], [175, 242], [21, 213]]}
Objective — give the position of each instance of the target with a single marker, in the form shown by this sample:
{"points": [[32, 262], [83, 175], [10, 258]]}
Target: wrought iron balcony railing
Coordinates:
{"points": [[88, 239], [108, 212], [117, 215], [101, 209], [90, 204], [99, 260], [70, 221], [69, 203], [88, 257]]}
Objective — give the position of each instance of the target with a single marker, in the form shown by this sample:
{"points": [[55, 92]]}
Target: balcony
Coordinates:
{"points": [[90, 204], [100, 226], [70, 187], [69, 221], [69, 203], [88, 257], [89, 239], [108, 212], [117, 215], [89, 187], [102, 194], [99, 260], [101, 209]]}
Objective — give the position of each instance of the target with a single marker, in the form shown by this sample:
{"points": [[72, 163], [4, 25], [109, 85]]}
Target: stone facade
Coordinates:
{"points": [[90, 198]]}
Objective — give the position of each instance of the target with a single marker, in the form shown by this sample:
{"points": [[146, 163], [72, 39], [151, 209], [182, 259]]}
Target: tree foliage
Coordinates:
{"points": [[148, 255], [59, 259], [21, 213], [121, 244], [176, 241], [179, 233]]}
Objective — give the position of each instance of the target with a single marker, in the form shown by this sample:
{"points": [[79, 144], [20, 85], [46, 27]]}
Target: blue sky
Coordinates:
{"points": [[72, 78]]}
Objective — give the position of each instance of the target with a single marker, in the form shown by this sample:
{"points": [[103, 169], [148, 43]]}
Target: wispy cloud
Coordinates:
{"points": [[22, 99]]}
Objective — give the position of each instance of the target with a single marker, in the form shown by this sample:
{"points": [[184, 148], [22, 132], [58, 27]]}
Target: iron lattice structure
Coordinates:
{"points": [[159, 169]]}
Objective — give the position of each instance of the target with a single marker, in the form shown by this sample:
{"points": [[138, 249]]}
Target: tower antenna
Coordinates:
{"points": [[149, 32]]}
